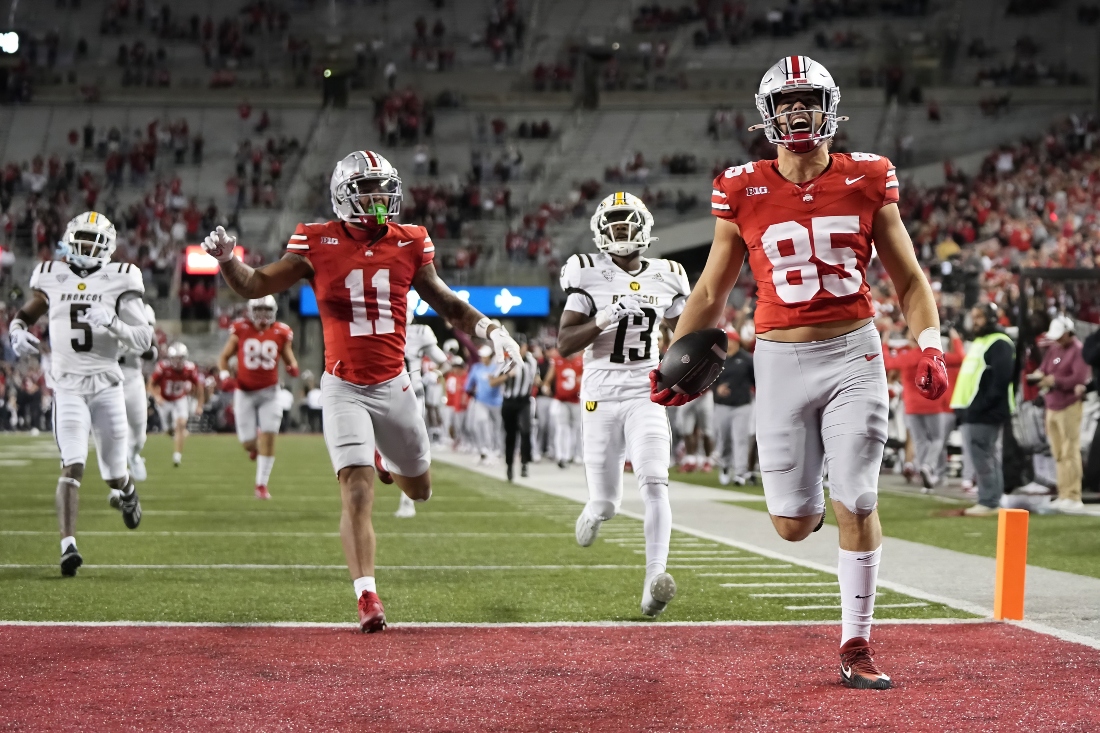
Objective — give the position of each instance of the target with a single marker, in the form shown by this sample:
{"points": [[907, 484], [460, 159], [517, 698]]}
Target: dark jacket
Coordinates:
{"points": [[990, 404], [737, 374]]}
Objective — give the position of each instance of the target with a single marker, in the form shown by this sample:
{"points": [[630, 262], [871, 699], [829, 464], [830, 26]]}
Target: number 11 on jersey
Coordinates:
{"points": [[361, 323]]}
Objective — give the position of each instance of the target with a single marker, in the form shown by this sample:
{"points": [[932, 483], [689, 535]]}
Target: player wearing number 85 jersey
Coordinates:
{"points": [[616, 301], [362, 266], [258, 341], [808, 223]]}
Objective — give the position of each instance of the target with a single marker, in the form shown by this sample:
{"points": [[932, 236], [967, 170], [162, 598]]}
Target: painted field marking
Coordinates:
{"points": [[877, 607], [739, 567], [766, 575], [14, 462], [233, 533], [249, 566], [793, 595], [802, 584], [478, 625], [328, 513]]}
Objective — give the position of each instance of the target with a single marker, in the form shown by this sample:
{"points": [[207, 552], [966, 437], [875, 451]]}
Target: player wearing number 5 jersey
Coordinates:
{"points": [[616, 301], [95, 312], [258, 341], [808, 222], [362, 266]]}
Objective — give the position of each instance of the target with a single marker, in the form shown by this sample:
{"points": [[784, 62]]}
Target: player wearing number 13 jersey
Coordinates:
{"points": [[258, 341], [808, 223], [362, 266], [617, 300]]}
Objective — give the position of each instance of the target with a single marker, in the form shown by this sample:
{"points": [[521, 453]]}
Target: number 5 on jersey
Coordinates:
{"points": [[371, 313]]}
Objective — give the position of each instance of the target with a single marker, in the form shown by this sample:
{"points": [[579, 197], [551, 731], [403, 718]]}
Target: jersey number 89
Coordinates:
{"points": [[810, 281], [260, 354]]}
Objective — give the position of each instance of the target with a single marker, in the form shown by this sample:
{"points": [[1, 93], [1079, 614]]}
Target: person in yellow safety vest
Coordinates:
{"points": [[984, 399]]}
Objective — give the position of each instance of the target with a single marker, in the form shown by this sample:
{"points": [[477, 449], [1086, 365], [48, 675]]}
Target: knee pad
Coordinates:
{"points": [[603, 509], [860, 503]]}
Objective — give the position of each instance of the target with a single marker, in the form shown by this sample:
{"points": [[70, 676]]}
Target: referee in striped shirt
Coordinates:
{"points": [[516, 410]]}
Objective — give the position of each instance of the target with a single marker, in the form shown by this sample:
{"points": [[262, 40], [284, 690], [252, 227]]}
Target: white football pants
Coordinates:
{"points": [[102, 413], [567, 430], [137, 408]]}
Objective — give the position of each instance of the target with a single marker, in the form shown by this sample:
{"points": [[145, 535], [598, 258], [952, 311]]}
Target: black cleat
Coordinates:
{"points": [[131, 509], [523, 470], [70, 561], [510, 473]]}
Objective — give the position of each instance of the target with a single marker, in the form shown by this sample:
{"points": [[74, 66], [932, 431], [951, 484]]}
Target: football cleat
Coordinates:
{"points": [[510, 473], [252, 454], [372, 617], [70, 561], [523, 472], [659, 590], [177, 459], [137, 468], [927, 480], [406, 508], [563, 464], [858, 669], [383, 475], [724, 477], [130, 508], [588, 527], [262, 492]]}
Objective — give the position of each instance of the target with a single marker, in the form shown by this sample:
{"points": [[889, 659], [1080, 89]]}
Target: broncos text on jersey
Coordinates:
{"points": [[78, 348], [618, 362], [808, 244]]}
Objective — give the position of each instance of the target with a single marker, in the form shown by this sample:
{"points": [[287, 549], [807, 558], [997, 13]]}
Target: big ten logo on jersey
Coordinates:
{"points": [[789, 247], [260, 354], [756, 190], [641, 298]]}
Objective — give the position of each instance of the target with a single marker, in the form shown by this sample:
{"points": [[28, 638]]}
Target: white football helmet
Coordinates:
{"points": [[365, 174], [794, 74], [177, 354], [622, 225], [261, 311], [88, 241]]}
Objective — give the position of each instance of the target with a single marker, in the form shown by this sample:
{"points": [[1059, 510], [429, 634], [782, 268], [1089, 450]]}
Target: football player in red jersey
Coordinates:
{"points": [[808, 222], [258, 341], [362, 266], [177, 388], [565, 376]]}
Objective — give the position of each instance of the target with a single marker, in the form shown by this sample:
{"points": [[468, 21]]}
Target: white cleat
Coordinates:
{"points": [[588, 527], [177, 458], [406, 509], [137, 468], [659, 590]]}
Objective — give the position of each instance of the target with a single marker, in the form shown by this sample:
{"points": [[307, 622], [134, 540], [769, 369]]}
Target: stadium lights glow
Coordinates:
{"points": [[9, 42], [198, 262], [328, 73]]}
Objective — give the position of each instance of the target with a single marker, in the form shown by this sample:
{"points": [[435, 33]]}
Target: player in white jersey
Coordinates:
{"points": [[94, 308], [137, 400], [616, 301], [420, 343]]}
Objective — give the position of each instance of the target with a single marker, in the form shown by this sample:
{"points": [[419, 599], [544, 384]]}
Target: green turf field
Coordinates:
{"points": [[480, 551], [1055, 541]]}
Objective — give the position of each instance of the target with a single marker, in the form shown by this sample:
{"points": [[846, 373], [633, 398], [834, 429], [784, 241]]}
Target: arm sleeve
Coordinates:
{"points": [[130, 327], [436, 354]]}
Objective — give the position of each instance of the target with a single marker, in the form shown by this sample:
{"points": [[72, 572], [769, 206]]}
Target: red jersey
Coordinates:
{"points": [[176, 383], [567, 378], [455, 386], [258, 353], [808, 244], [362, 290]]}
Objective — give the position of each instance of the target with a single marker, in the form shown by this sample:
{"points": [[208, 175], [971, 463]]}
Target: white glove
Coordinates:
{"points": [[506, 349], [23, 342], [626, 306], [223, 375], [219, 245], [99, 317]]}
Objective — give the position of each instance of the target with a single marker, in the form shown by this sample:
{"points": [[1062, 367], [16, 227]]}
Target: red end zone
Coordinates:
{"points": [[961, 677]]}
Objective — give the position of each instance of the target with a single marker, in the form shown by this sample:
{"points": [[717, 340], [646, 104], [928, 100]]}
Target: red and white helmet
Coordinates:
{"points": [[793, 74], [261, 311], [349, 183]]}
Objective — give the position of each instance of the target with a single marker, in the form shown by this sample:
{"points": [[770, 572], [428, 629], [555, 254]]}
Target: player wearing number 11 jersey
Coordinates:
{"points": [[362, 266], [808, 222], [258, 342], [617, 300]]}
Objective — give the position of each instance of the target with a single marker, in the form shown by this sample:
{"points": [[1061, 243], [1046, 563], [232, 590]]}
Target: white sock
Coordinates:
{"points": [[263, 469], [858, 576], [66, 541], [177, 457], [364, 584], [657, 526]]}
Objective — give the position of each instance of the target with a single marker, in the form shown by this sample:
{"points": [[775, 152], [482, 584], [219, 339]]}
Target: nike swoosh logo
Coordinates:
{"points": [[869, 357], [406, 388], [846, 671], [863, 597], [402, 244], [850, 181]]}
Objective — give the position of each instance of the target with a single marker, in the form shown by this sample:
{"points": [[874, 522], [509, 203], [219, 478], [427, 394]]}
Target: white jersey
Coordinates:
{"points": [[618, 362], [79, 349], [421, 341]]}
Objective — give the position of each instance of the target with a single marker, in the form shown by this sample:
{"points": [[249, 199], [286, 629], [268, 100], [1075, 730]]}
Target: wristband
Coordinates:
{"points": [[223, 374], [17, 324], [930, 339], [481, 330]]}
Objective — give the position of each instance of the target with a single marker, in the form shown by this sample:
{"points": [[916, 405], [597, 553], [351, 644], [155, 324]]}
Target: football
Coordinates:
{"points": [[693, 363]]}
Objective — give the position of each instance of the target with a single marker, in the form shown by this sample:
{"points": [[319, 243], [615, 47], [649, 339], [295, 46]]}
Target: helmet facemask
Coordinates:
{"points": [[87, 248], [799, 130], [262, 316], [372, 198], [623, 230]]}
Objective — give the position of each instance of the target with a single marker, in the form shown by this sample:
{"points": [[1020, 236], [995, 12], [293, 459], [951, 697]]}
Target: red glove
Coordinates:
{"points": [[292, 370], [932, 374], [666, 397]]}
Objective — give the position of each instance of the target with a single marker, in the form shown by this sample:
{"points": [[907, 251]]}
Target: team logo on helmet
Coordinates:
{"points": [[622, 225]]}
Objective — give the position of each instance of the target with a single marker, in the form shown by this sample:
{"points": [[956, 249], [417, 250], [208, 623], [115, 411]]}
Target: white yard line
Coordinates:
{"points": [[806, 584], [251, 566], [793, 595], [230, 533], [462, 625], [878, 606]]}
